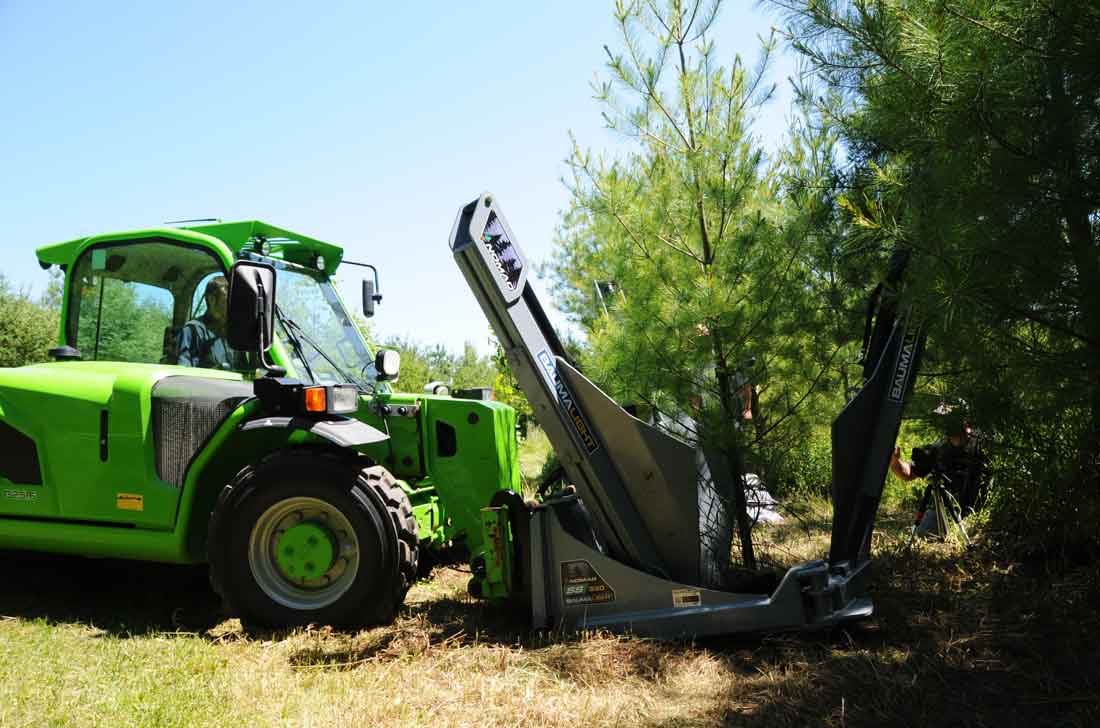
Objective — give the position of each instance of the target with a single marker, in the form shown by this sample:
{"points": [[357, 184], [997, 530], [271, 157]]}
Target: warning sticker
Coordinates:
{"points": [[686, 597], [130, 502], [580, 584]]}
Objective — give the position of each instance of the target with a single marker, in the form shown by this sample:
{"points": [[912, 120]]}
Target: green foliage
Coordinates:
{"points": [[973, 135], [423, 363], [803, 470], [1039, 503], [507, 389], [54, 295], [27, 330], [470, 369]]}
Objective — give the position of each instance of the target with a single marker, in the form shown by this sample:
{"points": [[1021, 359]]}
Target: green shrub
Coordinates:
{"points": [[1043, 496], [802, 469], [27, 330]]}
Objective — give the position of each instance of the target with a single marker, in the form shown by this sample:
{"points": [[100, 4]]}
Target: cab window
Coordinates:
{"points": [[140, 302]]}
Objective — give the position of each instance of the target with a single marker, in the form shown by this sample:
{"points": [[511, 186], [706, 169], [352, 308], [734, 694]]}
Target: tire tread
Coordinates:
{"points": [[377, 483]]}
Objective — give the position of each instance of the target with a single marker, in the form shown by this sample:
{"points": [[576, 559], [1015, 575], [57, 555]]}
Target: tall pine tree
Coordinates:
{"points": [[678, 256]]}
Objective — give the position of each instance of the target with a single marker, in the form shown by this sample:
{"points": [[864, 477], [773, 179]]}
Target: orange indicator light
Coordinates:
{"points": [[315, 399]]}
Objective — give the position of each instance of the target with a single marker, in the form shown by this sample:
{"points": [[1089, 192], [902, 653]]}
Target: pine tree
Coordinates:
{"points": [[676, 257]]}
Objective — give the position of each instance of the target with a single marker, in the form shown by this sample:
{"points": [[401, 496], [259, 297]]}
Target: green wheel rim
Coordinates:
{"points": [[303, 553]]}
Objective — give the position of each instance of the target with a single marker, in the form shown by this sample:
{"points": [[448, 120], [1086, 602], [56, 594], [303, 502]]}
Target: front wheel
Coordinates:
{"points": [[310, 536]]}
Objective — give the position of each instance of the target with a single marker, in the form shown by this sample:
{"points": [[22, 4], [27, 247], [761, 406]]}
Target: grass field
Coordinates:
{"points": [[957, 639]]}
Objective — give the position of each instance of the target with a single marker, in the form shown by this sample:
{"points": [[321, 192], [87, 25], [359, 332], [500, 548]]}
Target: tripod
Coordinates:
{"points": [[937, 495]]}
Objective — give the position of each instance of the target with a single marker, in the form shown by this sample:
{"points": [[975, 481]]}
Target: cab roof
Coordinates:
{"points": [[238, 236]]}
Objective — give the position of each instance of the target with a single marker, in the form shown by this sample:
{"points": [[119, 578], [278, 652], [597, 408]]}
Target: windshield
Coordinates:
{"points": [[317, 332]]}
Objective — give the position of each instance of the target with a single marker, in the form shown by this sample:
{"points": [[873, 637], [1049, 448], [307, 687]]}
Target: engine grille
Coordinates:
{"points": [[186, 411]]}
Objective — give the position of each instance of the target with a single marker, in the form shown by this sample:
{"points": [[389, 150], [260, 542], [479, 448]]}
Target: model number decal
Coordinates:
{"points": [[581, 584], [22, 495], [567, 402]]}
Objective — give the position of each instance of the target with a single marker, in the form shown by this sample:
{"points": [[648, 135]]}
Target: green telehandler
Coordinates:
{"points": [[312, 490], [211, 400]]}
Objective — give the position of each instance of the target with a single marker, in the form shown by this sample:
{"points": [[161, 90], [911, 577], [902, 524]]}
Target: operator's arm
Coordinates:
{"points": [[188, 348], [901, 468]]}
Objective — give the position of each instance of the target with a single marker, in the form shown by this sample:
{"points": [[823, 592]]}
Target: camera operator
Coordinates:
{"points": [[957, 459]]}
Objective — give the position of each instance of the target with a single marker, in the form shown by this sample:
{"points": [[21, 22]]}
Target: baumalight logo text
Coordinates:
{"points": [[905, 363]]}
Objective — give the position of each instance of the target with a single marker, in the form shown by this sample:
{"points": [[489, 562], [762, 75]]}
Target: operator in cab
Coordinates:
{"points": [[202, 340]]}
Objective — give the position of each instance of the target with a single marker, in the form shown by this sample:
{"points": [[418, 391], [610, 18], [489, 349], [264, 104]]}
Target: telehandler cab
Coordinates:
{"points": [[212, 400]]}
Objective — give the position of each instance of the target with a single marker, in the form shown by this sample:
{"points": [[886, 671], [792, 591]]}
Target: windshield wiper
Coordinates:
{"points": [[288, 325], [295, 342]]}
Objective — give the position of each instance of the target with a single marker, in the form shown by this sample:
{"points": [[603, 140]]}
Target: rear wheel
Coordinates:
{"points": [[310, 536]]}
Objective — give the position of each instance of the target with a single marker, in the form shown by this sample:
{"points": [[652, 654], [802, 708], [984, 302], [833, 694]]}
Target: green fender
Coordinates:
{"points": [[243, 438]]}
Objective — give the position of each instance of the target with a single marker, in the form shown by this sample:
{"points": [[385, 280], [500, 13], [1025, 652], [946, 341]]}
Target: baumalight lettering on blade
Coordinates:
{"points": [[905, 364], [568, 402]]}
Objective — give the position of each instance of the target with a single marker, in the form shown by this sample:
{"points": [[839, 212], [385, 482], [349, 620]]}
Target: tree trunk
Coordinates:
{"points": [[735, 454]]}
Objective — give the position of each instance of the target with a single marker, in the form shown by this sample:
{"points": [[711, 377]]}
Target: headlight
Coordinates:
{"points": [[387, 365], [333, 399], [345, 398]]}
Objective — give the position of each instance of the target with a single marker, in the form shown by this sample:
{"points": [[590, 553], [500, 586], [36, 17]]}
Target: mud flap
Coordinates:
{"points": [[343, 432]]}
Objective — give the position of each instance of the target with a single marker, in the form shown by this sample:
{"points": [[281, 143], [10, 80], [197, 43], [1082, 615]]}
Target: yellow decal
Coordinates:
{"points": [[686, 598], [130, 502]]}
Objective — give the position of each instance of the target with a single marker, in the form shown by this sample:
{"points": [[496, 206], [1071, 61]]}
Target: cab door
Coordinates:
{"points": [[126, 303]]}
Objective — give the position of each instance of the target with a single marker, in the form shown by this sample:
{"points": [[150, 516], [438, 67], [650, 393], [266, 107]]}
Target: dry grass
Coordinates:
{"points": [[958, 639]]}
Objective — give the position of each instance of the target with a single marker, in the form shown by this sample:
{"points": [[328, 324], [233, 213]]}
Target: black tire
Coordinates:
{"points": [[376, 524]]}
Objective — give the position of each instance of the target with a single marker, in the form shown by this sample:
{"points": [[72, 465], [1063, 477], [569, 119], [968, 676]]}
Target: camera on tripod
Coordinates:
{"points": [[938, 494], [925, 460]]}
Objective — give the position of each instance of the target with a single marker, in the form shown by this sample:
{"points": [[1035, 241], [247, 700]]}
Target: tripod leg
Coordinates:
{"points": [[956, 516], [941, 519], [921, 510]]}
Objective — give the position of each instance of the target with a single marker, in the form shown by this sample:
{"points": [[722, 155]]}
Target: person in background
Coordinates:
{"points": [[957, 458]]}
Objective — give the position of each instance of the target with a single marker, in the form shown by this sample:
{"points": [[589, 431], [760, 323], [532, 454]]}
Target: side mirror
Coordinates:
{"points": [[387, 365], [371, 296], [368, 298], [251, 314]]}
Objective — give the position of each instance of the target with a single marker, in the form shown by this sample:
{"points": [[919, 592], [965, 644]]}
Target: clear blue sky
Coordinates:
{"points": [[367, 124]]}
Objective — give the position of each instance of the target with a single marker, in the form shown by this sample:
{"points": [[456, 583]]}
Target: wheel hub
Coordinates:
{"points": [[306, 552], [303, 553]]}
